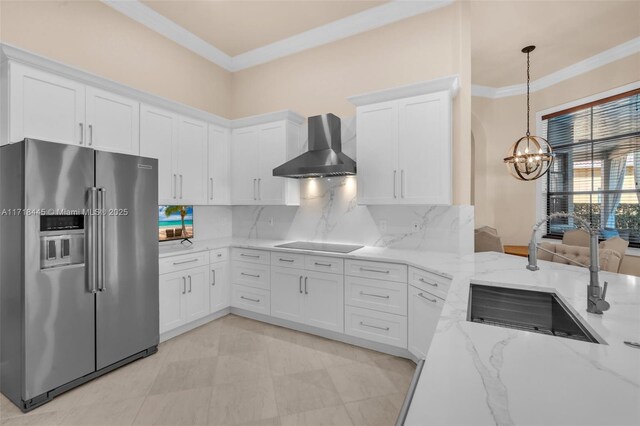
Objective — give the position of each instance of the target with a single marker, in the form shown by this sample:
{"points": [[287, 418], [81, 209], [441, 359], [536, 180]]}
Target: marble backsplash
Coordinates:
{"points": [[329, 211]]}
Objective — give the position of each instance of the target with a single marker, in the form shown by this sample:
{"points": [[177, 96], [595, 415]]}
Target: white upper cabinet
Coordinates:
{"points": [[113, 122], [158, 137], [180, 145], [255, 151], [48, 107], [404, 144], [377, 153], [45, 106], [244, 165], [219, 184], [192, 161]]}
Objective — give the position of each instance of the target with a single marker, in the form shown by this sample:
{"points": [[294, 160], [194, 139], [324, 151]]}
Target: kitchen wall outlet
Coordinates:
{"points": [[415, 226], [382, 225], [271, 221]]}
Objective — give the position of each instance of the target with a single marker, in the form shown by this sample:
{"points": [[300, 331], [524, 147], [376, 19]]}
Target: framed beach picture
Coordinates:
{"points": [[175, 223]]}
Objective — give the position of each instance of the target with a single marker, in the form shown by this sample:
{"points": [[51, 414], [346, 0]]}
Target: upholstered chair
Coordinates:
{"points": [[487, 239]]}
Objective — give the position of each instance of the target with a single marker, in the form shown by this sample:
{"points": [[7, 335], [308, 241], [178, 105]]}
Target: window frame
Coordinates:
{"points": [[541, 130]]}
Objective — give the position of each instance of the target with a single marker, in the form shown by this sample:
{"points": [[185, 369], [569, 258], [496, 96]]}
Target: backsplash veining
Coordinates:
{"points": [[329, 211]]}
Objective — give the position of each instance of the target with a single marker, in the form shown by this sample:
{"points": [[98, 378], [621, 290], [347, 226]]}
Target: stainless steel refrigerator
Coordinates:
{"points": [[78, 266]]}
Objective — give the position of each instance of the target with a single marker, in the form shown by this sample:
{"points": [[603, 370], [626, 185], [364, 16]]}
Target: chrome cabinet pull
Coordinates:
{"points": [[184, 285], [259, 194], [185, 261], [632, 344], [395, 194], [422, 280], [248, 298], [286, 260], [374, 295], [426, 298], [373, 326], [254, 189], [300, 284], [211, 196], [402, 183], [328, 265], [90, 138], [81, 133], [181, 182], [175, 186], [305, 285], [254, 256], [249, 275], [189, 283], [213, 280], [375, 270]]}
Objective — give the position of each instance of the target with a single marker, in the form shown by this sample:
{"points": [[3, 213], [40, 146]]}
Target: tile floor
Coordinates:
{"points": [[236, 371]]}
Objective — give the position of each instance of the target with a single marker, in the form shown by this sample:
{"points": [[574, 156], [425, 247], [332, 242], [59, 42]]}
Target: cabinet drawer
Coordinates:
{"points": [[219, 255], [376, 326], [251, 274], [183, 261], [377, 270], [385, 296], [251, 299], [250, 255], [287, 260], [430, 282], [324, 264]]}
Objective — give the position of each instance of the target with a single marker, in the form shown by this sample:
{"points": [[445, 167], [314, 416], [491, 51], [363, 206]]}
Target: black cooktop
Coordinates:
{"points": [[333, 248]]}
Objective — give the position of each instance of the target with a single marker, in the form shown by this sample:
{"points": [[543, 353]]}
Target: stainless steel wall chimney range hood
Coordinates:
{"points": [[325, 156]]}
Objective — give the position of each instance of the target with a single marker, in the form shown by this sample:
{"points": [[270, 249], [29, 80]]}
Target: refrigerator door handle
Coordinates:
{"points": [[91, 241], [101, 240]]}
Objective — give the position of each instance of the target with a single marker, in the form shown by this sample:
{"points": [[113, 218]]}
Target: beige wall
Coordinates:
{"points": [[95, 38], [502, 201], [319, 80]]}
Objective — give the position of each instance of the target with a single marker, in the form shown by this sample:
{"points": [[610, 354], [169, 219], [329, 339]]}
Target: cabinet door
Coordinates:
{"points": [[424, 314], [113, 122], [244, 166], [45, 106], [219, 290], [173, 287], [197, 292], [324, 300], [287, 293], [192, 161], [219, 183], [158, 137], [378, 174], [425, 149], [272, 153]]}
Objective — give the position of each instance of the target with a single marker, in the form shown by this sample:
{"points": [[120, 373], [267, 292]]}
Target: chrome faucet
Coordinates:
{"points": [[596, 303]]}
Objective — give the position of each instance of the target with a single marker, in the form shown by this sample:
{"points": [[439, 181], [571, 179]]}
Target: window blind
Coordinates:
{"points": [[596, 171]]}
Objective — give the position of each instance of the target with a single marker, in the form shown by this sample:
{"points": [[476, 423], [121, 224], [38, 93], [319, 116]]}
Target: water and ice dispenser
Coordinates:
{"points": [[61, 240]]}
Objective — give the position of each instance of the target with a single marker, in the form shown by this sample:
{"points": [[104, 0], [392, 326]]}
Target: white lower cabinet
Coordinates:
{"points": [[252, 299], [184, 297], [424, 313], [308, 297], [219, 294], [376, 326]]}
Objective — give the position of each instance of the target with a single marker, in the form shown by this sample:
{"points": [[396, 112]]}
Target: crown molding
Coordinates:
{"points": [[148, 17], [620, 51], [450, 84], [369, 19], [270, 117], [14, 54]]}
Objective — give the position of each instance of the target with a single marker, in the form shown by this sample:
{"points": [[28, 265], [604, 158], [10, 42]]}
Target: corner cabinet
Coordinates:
{"points": [[404, 148], [180, 145], [49, 107], [255, 151]]}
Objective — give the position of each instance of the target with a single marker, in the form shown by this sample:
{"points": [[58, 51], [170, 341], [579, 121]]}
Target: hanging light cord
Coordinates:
{"points": [[528, 106]]}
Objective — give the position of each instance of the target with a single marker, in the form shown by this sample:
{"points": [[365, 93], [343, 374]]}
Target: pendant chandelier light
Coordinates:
{"points": [[531, 156]]}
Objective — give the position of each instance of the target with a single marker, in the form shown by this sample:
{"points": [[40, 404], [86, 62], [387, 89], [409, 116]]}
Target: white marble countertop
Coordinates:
{"points": [[479, 374]]}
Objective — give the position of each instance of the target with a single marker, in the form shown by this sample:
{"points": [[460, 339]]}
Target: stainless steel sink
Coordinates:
{"points": [[536, 311]]}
